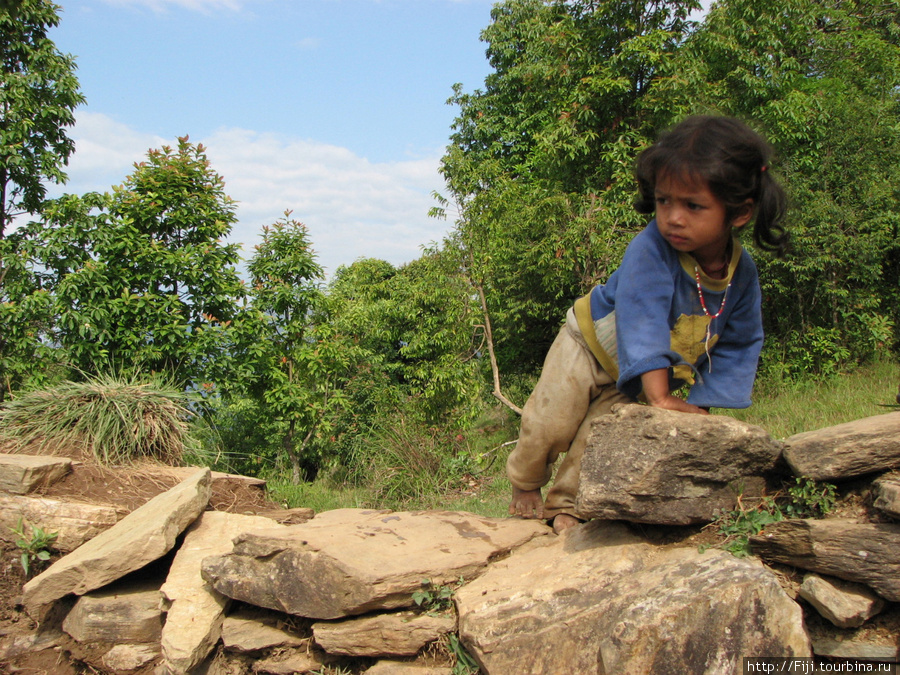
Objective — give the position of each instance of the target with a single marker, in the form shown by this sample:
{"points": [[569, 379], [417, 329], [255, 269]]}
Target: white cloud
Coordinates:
{"points": [[353, 208]]}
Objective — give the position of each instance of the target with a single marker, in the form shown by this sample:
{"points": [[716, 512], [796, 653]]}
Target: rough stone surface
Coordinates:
{"points": [[352, 561], [847, 450], [20, 474], [884, 649], [74, 523], [887, 495], [868, 553], [843, 603], [599, 600], [141, 537], [121, 613], [254, 629], [289, 663], [194, 610], [402, 668], [395, 634], [130, 657], [650, 465]]}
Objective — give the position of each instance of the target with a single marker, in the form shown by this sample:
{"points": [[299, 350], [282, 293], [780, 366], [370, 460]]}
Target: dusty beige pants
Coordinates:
{"points": [[572, 390]]}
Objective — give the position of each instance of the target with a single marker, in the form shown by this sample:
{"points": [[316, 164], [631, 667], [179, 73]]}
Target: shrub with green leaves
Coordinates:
{"points": [[34, 544], [115, 420]]}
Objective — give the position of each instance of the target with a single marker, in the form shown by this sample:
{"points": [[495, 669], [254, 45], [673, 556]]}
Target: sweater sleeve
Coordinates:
{"points": [[726, 380], [643, 304]]}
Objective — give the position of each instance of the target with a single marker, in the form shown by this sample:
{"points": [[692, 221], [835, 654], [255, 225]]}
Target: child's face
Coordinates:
{"points": [[692, 219]]}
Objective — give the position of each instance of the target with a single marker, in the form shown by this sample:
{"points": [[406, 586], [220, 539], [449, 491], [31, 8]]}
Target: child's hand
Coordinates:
{"points": [[526, 503], [674, 403], [656, 389]]}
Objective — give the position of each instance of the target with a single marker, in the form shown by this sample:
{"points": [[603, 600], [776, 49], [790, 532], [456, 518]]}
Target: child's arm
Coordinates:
{"points": [[656, 388]]}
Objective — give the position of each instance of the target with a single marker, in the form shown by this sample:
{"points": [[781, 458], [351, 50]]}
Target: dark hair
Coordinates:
{"points": [[731, 158]]}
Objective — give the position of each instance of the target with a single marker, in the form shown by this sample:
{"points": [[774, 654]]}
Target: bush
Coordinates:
{"points": [[114, 420]]}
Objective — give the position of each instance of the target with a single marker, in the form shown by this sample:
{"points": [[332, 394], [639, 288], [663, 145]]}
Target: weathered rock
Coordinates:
{"points": [[868, 553], [73, 523], [20, 474], [843, 603], [194, 610], [404, 668], [846, 450], [289, 663], [396, 634], [141, 537], [13, 646], [881, 649], [651, 465], [599, 600], [352, 561], [130, 657], [254, 629], [887, 495], [121, 613]]}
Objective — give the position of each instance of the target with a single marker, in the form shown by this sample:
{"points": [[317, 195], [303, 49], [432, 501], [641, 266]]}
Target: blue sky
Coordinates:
{"points": [[335, 109]]}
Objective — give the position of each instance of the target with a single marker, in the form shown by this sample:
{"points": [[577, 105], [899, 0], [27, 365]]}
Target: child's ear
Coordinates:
{"points": [[743, 215]]}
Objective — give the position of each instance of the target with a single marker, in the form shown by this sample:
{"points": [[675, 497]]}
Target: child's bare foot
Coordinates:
{"points": [[563, 521]]}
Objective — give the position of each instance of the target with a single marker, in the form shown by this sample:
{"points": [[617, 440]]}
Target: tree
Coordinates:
{"points": [[140, 277], [38, 94], [298, 359]]}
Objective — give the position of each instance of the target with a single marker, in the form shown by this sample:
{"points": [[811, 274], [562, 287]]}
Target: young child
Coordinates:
{"points": [[683, 308]]}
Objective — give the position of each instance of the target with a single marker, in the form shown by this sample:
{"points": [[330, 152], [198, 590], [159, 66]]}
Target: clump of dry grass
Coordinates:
{"points": [[115, 421]]}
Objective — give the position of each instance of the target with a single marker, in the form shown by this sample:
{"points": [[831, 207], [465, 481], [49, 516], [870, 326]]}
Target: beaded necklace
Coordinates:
{"points": [[712, 317]]}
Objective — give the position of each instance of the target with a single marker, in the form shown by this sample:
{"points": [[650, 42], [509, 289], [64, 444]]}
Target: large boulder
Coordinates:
{"points": [[650, 465], [600, 600], [143, 536], [846, 450], [352, 561]]}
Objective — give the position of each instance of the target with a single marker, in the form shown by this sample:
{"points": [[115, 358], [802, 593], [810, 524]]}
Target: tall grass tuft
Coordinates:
{"points": [[114, 420]]}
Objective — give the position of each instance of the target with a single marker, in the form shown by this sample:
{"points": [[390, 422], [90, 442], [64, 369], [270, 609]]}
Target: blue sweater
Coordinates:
{"points": [[648, 316]]}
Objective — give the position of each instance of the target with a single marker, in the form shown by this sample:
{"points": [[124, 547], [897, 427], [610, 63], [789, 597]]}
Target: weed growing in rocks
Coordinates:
{"points": [[34, 547]]}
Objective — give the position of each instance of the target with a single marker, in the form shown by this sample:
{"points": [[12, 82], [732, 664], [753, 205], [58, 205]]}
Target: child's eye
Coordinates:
{"points": [[694, 206], [661, 200]]}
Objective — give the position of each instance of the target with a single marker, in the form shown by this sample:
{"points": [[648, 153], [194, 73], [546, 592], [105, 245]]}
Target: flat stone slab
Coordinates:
{"points": [[141, 537], [74, 523], [867, 553], [843, 603], [392, 634], [194, 610], [847, 450], [117, 614], [353, 561], [255, 629], [650, 465], [20, 474], [608, 602], [403, 668]]}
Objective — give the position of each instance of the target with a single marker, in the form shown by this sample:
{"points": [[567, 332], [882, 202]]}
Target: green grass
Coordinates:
{"points": [[787, 408], [480, 486]]}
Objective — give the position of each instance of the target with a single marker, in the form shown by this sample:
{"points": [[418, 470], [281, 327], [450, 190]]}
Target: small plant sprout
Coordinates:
{"points": [[433, 598], [34, 546]]}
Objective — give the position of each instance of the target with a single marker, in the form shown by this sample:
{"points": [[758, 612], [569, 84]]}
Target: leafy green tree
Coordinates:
{"points": [[140, 277], [419, 325], [38, 94], [300, 362]]}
